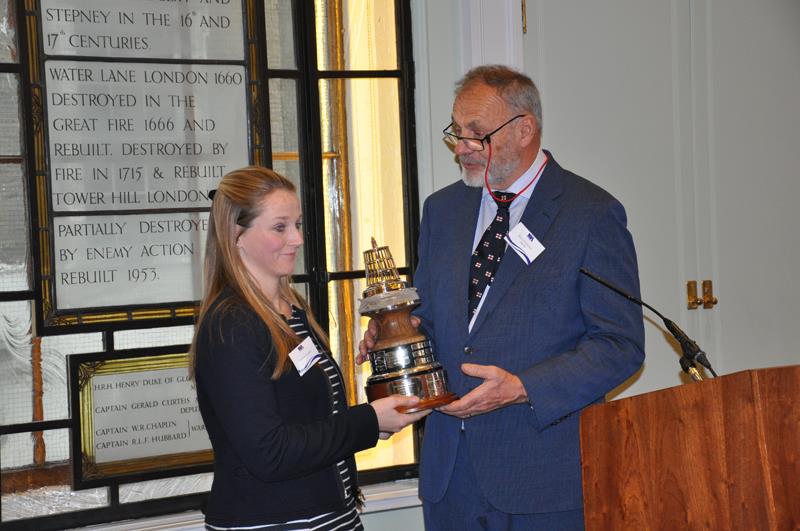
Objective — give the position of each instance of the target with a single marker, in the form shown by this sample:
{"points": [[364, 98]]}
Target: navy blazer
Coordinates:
{"points": [[569, 339], [276, 442]]}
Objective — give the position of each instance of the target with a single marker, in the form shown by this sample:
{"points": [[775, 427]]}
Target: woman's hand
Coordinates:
{"points": [[390, 421]]}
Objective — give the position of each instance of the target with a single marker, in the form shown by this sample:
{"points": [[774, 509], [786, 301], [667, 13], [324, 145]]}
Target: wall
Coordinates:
{"points": [[683, 110]]}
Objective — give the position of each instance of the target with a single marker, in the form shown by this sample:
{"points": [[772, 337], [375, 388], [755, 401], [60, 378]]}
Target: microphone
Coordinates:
{"points": [[691, 351]]}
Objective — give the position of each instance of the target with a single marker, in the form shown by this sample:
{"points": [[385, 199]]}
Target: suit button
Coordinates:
{"points": [[467, 350]]}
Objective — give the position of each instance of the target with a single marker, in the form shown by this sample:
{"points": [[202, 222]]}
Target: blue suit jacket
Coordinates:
{"points": [[569, 339]]}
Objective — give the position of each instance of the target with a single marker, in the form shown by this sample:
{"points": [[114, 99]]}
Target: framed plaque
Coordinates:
{"points": [[141, 107], [137, 417], [143, 29]]}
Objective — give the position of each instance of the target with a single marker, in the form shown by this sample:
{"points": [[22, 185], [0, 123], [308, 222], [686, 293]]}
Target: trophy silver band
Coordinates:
{"points": [[402, 358]]}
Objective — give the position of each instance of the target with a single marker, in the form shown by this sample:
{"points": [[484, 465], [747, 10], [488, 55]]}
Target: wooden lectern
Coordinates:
{"points": [[719, 454]]}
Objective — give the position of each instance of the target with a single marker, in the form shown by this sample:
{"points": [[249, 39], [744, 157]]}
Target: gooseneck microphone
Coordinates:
{"points": [[691, 351]]}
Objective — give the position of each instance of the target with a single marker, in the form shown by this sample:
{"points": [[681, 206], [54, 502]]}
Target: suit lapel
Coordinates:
{"points": [[464, 235], [539, 214]]}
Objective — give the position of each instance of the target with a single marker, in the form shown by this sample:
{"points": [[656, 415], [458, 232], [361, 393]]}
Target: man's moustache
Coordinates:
{"points": [[466, 160]]}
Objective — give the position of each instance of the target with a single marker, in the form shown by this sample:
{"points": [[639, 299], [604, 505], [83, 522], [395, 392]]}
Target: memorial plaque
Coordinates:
{"points": [[138, 413], [131, 137], [145, 106], [143, 29], [134, 147], [126, 136], [119, 260]]}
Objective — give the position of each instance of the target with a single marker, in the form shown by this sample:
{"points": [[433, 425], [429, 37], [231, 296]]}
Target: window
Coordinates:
{"points": [[330, 105]]}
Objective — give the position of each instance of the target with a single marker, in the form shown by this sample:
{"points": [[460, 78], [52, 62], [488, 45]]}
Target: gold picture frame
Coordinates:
{"points": [[135, 379]]}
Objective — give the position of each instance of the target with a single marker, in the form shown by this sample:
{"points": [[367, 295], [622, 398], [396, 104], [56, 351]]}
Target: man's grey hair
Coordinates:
{"points": [[517, 90]]}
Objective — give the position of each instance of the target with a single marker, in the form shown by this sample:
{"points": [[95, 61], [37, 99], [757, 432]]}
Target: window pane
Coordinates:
{"points": [[55, 350], [8, 32], [346, 330], [9, 114], [362, 170], [164, 488], [153, 337], [36, 476], [399, 450], [280, 34], [356, 35], [25, 361], [301, 288], [289, 169], [283, 120], [284, 134], [14, 245], [16, 380]]}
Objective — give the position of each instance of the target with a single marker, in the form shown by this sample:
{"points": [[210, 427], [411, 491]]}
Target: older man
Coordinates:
{"points": [[527, 341]]}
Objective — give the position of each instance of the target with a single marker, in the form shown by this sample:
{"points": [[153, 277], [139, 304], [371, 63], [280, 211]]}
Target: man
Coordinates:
{"points": [[527, 341]]}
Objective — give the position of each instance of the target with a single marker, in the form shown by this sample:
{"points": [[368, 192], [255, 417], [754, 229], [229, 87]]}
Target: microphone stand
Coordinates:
{"points": [[691, 352]]}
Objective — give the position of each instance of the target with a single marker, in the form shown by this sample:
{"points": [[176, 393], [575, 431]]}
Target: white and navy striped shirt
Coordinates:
{"points": [[346, 519]]}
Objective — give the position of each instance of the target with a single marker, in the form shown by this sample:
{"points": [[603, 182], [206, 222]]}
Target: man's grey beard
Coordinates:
{"points": [[474, 180], [498, 175]]}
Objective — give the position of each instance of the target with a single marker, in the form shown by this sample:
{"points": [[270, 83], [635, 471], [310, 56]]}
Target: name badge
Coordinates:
{"points": [[524, 243], [304, 355]]}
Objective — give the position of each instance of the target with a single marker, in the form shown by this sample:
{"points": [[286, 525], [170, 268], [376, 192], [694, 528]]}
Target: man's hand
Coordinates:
{"points": [[500, 388], [371, 337]]}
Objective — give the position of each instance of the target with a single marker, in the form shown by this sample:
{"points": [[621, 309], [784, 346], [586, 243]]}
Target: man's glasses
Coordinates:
{"points": [[474, 144]]}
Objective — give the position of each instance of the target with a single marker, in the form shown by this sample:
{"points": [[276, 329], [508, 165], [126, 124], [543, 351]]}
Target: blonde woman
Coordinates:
{"points": [[270, 393]]}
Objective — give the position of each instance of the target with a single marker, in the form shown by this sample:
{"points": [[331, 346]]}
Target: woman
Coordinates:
{"points": [[270, 394]]}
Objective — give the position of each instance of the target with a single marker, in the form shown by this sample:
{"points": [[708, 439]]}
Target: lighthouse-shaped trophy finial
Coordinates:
{"points": [[381, 271], [402, 358]]}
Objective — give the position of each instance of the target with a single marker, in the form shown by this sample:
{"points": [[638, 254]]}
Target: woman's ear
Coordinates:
{"points": [[238, 230]]}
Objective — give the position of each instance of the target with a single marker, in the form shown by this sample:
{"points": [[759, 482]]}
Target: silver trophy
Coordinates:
{"points": [[402, 358]]}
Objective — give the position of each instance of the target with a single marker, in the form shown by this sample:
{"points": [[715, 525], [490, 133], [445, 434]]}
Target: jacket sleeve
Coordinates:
{"points": [[233, 372], [612, 348], [422, 276]]}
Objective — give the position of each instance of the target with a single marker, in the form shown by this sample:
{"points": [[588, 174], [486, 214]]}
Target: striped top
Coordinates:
{"points": [[346, 519]]}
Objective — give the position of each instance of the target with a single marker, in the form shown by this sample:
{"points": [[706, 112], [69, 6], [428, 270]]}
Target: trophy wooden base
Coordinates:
{"points": [[430, 403], [428, 384]]}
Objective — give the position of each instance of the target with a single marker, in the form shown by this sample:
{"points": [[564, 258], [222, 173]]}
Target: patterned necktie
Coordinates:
{"points": [[487, 255]]}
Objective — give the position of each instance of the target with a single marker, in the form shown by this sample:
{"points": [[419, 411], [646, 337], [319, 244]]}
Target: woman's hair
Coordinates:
{"points": [[236, 203]]}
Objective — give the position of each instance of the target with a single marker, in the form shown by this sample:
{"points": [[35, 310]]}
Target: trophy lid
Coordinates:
{"points": [[382, 275]]}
